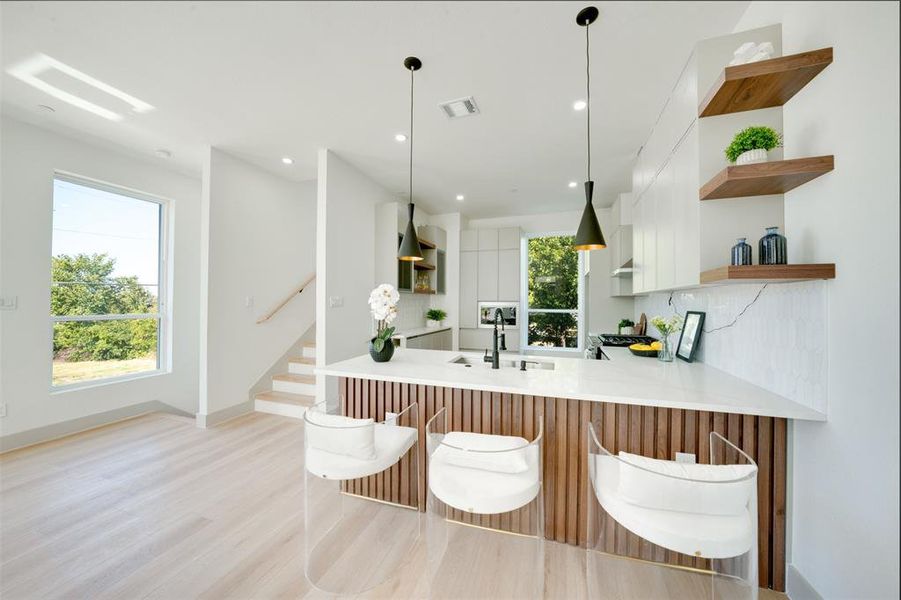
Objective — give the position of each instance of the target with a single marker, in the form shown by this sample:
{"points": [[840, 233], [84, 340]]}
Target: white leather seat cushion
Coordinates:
{"points": [[498, 453], [391, 443], [340, 435], [481, 491], [727, 494], [695, 534]]}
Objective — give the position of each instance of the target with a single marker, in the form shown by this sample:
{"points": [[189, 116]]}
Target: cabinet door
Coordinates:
{"points": [[649, 238], [440, 274], [487, 239], [508, 238], [686, 220], [487, 275], [638, 246], [469, 240], [665, 263], [469, 296], [508, 276]]}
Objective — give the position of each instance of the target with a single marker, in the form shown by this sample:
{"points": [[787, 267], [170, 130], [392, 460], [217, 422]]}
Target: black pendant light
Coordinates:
{"points": [[589, 235], [409, 245]]}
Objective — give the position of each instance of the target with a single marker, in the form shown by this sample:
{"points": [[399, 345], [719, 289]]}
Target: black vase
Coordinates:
{"points": [[741, 252], [383, 355], [772, 248]]}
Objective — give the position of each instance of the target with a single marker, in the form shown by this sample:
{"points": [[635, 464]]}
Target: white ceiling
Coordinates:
{"points": [[270, 79]]}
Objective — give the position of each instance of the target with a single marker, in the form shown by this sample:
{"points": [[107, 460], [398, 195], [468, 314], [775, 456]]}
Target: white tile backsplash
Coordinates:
{"points": [[778, 344], [411, 309]]}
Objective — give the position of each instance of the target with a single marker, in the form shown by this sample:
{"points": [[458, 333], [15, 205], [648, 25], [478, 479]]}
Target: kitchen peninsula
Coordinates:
{"points": [[639, 405]]}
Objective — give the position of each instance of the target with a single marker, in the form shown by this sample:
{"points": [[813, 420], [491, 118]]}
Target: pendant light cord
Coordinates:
{"points": [[411, 134], [588, 93]]}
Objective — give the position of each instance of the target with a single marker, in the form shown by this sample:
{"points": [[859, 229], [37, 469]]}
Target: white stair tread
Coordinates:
{"points": [[294, 378], [286, 398]]}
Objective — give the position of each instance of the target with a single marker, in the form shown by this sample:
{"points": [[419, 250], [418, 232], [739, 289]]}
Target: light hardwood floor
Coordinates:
{"points": [[154, 507]]}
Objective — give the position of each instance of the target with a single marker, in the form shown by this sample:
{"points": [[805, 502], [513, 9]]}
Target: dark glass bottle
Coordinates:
{"points": [[772, 249], [741, 252]]}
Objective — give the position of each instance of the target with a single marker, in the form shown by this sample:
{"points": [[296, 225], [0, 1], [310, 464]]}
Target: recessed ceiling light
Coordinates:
{"points": [[287, 160], [30, 69], [163, 153], [400, 137], [460, 197], [579, 105], [573, 184]]}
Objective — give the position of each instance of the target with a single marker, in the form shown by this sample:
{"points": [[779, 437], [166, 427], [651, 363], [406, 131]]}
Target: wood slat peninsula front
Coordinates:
{"points": [[647, 430]]}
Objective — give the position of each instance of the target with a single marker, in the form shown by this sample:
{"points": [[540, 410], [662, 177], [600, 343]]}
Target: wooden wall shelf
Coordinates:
{"points": [[763, 84], [768, 273], [761, 179], [423, 291], [426, 244], [421, 265]]}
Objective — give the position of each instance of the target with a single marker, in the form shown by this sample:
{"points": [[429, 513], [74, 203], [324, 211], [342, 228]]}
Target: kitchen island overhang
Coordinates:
{"points": [[636, 405]]}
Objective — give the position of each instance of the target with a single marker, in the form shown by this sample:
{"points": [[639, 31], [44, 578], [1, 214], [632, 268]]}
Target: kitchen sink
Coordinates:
{"points": [[504, 363]]}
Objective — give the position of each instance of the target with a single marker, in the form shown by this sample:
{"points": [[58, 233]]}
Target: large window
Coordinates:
{"points": [[106, 284], [554, 292]]}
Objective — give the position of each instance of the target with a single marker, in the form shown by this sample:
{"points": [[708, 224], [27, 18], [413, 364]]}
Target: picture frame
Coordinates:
{"points": [[690, 337]]}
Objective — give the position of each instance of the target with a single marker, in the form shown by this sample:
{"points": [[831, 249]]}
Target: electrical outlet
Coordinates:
{"points": [[2, 410], [335, 301], [390, 418], [685, 457]]}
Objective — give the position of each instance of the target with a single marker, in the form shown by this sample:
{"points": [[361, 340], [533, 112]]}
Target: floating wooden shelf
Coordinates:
{"points": [[423, 291], [763, 84], [426, 244], [761, 179], [421, 265], [768, 273]]}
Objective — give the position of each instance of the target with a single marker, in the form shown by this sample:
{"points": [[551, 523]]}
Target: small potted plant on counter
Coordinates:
{"points": [[626, 327], [751, 145], [434, 317], [383, 306], [666, 327]]}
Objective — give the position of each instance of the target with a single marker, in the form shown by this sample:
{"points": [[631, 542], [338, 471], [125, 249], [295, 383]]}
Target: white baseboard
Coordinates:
{"points": [[39, 435], [220, 416], [280, 408], [797, 587]]}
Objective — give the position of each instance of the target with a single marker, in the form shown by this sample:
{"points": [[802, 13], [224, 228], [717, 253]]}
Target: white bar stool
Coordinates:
{"points": [[702, 510], [479, 485], [353, 543]]}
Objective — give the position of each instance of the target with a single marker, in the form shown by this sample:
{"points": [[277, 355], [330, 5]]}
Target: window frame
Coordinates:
{"points": [[163, 314], [524, 309]]}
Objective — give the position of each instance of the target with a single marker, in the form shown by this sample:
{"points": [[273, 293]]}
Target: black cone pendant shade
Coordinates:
{"points": [[409, 245], [589, 235]]}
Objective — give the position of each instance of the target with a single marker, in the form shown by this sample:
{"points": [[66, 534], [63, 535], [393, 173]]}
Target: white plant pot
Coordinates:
{"points": [[431, 323], [627, 331], [751, 157]]}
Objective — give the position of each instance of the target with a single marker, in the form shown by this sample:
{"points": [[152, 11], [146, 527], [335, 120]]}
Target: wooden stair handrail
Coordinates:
{"points": [[287, 299]]}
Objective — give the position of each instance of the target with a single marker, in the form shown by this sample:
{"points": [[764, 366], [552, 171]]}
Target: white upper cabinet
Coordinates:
{"points": [[508, 238], [469, 289], [508, 275], [638, 246], [469, 240], [488, 239], [488, 272], [664, 192]]}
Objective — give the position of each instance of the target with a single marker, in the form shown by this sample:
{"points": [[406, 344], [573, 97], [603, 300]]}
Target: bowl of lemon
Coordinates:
{"points": [[646, 349]]}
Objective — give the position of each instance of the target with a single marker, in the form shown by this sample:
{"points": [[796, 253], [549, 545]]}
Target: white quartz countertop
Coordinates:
{"points": [[625, 379], [408, 333]]}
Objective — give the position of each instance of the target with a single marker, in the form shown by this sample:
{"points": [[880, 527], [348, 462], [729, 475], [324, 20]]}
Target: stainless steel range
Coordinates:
{"points": [[613, 339]]}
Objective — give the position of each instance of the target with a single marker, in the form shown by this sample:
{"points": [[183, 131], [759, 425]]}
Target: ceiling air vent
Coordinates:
{"points": [[461, 107]]}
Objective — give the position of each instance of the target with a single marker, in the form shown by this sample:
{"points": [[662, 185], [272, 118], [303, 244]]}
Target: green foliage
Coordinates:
{"points": [[84, 285], [753, 138], [378, 342], [554, 284], [626, 323], [436, 314]]}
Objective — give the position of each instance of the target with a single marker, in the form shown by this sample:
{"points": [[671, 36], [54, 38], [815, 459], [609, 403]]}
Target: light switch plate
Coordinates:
{"points": [[248, 301], [2, 410], [685, 457], [9, 302], [335, 301]]}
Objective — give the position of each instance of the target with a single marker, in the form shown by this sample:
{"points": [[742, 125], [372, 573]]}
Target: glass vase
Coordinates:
{"points": [[665, 354], [772, 248], [741, 252]]}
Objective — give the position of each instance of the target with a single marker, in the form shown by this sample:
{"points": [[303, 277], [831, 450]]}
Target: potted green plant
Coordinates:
{"points": [[626, 327], [383, 306], [751, 145], [434, 316]]}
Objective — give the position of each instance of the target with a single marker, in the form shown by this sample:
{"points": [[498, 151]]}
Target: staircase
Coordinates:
{"points": [[292, 392]]}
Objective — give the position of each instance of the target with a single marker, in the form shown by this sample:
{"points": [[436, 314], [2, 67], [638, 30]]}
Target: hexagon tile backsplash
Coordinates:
{"points": [[778, 344]]}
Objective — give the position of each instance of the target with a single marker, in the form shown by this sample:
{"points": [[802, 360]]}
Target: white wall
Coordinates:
{"points": [[259, 244], [345, 261], [843, 513], [29, 157], [603, 312]]}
